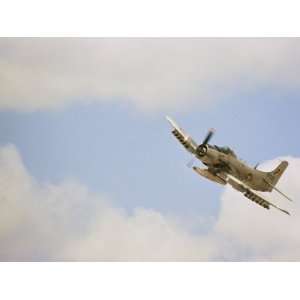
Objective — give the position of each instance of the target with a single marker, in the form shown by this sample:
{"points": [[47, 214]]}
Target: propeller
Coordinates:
{"points": [[191, 162], [202, 148], [208, 136]]}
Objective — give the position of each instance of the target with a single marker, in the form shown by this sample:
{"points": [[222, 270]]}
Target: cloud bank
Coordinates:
{"points": [[151, 74], [67, 222], [249, 232]]}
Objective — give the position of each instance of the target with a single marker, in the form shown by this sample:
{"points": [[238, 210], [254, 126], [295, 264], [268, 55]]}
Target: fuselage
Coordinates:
{"points": [[224, 163], [224, 167]]}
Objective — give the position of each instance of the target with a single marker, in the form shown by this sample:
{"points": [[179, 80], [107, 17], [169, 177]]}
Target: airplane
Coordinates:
{"points": [[224, 167]]}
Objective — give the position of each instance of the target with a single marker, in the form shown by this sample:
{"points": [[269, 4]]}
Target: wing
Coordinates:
{"points": [[184, 139], [261, 201], [248, 193]]}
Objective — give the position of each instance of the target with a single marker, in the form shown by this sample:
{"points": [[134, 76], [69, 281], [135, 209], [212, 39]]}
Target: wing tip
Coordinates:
{"points": [[173, 123], [169, 119], [285, 211]]}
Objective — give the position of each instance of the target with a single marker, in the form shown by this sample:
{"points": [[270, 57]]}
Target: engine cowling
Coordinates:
{"points": [[201, 150]]}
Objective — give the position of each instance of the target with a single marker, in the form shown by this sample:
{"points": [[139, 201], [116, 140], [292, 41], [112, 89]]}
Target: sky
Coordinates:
{"points": [[90, 171]]}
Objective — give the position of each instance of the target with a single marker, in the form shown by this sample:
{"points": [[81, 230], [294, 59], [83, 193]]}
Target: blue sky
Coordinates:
{"points": [[131, 156]]}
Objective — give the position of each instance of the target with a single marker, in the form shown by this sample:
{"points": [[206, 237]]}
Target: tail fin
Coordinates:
{"points": [[274, 176]]}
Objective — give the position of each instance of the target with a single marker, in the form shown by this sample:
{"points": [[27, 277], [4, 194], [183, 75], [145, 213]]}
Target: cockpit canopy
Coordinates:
{"points": [[225, 150]]}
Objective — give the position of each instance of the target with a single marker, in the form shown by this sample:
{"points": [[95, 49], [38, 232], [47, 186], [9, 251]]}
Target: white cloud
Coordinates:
{"points": [[146, 235], [67, 222], [151, 74], [252, 233]]}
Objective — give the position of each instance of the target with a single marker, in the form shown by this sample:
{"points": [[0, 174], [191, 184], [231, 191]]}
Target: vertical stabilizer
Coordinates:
{"points": [[274, 176]]}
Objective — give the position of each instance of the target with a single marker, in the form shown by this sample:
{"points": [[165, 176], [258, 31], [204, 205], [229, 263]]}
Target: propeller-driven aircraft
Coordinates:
{"points": [[223, 167]]}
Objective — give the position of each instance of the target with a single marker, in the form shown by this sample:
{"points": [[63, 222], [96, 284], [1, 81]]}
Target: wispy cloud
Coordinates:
{"points": [[152, 74]]}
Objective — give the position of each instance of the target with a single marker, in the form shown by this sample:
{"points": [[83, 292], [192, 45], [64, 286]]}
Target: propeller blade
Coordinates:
{"points": [[191, 162], [208, 136]]}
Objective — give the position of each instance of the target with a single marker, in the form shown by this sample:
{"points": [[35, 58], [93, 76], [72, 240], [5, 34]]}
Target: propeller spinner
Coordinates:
{"points": [[202, 148]]}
